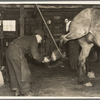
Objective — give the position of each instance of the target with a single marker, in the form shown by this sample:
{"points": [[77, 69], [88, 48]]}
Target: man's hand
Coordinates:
{"points": [[46, 60]]}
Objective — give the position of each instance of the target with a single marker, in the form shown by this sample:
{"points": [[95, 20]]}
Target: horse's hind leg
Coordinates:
{"points": [[82, 59]]}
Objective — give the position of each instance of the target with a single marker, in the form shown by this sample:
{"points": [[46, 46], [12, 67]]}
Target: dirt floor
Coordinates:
{"points": [[60, 81]]}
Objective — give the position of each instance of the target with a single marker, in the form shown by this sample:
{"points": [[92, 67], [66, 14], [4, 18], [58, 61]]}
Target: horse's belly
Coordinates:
{"points": [[87, 39]]}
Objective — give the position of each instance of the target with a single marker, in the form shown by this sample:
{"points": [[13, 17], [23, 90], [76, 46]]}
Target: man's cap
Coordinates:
{"points": [[39, 32]]}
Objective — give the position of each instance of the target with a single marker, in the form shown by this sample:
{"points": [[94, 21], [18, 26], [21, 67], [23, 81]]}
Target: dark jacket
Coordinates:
{"points": [[28, 44]]}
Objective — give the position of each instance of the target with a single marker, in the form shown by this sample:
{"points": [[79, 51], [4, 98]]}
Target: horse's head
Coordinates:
{"points": [[56, 59], [56, 55]]}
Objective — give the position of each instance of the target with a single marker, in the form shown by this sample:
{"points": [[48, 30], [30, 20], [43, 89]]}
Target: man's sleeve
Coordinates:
{"points": [[35, 52]]}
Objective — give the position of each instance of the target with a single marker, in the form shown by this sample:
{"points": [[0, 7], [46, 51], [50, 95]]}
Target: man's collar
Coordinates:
{"points": [[39, 38]]}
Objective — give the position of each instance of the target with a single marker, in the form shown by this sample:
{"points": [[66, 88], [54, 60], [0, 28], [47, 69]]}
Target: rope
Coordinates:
{"points": [[48, 29]]}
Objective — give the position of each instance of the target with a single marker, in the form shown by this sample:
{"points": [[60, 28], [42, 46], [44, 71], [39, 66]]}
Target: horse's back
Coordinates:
{"points": [[95, 21], [81, 22], [88, 20]]}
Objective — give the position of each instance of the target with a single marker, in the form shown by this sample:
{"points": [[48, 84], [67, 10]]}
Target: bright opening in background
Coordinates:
{"points": [[9, 25]]}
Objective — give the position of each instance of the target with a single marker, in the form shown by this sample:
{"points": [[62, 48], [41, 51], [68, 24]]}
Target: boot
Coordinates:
{"points": [[17, 93]]}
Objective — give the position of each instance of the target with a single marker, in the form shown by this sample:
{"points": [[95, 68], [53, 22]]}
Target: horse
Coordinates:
{"points": [[85, 27]]}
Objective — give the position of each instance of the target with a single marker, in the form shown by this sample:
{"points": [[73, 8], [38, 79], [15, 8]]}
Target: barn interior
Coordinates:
{"points": [[59, 78]]}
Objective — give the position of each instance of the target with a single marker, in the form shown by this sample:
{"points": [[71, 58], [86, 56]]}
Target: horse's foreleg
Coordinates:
{"points": [[82, 60]]}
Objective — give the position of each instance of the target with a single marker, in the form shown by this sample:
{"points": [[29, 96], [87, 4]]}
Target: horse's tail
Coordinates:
{"points": [[72, 36], [64, 37]]}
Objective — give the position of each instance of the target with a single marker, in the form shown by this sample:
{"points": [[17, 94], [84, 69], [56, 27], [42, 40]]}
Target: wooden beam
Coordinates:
{"points": [[48, 6], [21, 20]]}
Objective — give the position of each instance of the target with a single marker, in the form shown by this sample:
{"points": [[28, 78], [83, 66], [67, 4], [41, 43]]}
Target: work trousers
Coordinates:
{"points": [[18, 69]]}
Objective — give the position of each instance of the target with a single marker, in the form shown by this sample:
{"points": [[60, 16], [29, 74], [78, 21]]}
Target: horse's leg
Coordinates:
{"points": [[88, 69], [82, 59]]}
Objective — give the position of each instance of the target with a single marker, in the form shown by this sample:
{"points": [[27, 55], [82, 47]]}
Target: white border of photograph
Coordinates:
{"points": [[49, 2]]}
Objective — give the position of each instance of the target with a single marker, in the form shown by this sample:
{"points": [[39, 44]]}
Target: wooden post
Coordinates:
{"points": [[21, 20], [1, 40], [73, 54]]}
